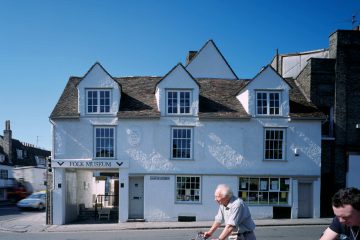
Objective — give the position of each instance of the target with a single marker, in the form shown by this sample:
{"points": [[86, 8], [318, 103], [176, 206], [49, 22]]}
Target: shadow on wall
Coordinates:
{"points": [[224, 153], [309, 148], [76, 142], [152, 161]]}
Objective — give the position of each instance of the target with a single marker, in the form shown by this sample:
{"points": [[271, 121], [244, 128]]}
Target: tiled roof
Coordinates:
{"points": [[138, 97], [300, 107], [67, 106], [29, 152], [217, 99]]}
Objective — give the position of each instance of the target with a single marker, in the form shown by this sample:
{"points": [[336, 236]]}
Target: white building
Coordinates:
{"points": [[160, 145]]}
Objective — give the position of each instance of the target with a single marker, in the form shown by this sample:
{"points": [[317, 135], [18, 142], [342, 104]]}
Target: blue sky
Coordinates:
{"points": [[43, 43]]}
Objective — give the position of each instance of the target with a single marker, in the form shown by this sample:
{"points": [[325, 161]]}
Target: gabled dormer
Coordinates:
{"points": [[99, 93], [266, 95], [177, 93], [208, 62]]}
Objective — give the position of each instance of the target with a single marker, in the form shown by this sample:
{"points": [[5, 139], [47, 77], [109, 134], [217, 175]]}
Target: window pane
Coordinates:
{"points": [[274, 184], [271, 190], [184, 102], [104, 142], [284, 198], [188, 189], [263, 198], [274, 103], [181, 147], [264, 184], [273, 197], [244, 196], [244, 183], [284, 184], [172, 102], [253, 198], [254, 184], [274, 142]]}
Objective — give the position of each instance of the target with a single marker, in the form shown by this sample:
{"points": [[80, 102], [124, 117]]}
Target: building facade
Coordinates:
{"points": [[155, 148], [22, 166], [332, 82]]}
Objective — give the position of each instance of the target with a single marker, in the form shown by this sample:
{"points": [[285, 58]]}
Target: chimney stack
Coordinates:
{"points": [[190, 56], [8, 141]]}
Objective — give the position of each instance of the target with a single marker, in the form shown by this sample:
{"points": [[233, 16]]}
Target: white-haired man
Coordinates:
{"points": [[234, 212]]}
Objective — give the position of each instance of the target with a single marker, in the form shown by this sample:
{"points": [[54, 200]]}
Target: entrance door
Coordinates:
{"points": [[305, 200], [136, 198]]}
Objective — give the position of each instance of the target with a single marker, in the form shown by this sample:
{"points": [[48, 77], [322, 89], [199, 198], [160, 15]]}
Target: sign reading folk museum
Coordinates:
{"points": [[87, 164]]}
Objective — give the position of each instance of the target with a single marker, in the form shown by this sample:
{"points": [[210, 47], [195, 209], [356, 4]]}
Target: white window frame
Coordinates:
{"points": [[267, 100], [189, 187], [274, 141], [98, 104], [178, 102], [265, 192], [104, 138], [179, 139]]}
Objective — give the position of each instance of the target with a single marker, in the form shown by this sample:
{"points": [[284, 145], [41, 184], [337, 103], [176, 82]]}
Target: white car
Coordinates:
{"points": [[34, 201]]}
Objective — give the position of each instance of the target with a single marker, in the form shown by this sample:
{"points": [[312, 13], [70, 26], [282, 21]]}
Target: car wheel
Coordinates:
{"points": [[41, 207]]}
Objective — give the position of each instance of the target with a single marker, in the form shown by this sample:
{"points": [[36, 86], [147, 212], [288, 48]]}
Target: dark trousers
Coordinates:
{"points": [[246, 236]]}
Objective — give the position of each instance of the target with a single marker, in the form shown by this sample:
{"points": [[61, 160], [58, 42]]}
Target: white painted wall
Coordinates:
{"points": [[97, 78], [269, 80], [34, 177], [178, 78], [85, 188], [98, 187], [123, 195], [316, 198], [160, 198], [292, 65], [226, 147], [59, 196], [221, 148], [208, 63], [243, 98]]}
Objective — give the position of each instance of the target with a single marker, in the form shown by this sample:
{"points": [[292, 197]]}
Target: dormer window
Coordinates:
{"points": [[19, 153], [98, 101], [178, 101], [267, 103]]}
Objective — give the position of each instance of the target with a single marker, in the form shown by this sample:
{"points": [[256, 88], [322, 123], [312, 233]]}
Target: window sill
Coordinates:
{"points": [[270, 116], [275, 160], [182, 159], [184, 202], [180, 115]]}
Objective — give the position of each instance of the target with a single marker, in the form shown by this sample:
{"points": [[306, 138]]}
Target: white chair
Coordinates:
{"points": [[104, 213]]}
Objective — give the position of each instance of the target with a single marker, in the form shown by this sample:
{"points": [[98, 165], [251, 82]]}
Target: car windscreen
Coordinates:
{"points": [[37, 196]]}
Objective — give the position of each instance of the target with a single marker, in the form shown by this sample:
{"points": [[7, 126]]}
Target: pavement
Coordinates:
{"points": [[36, 223]]}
